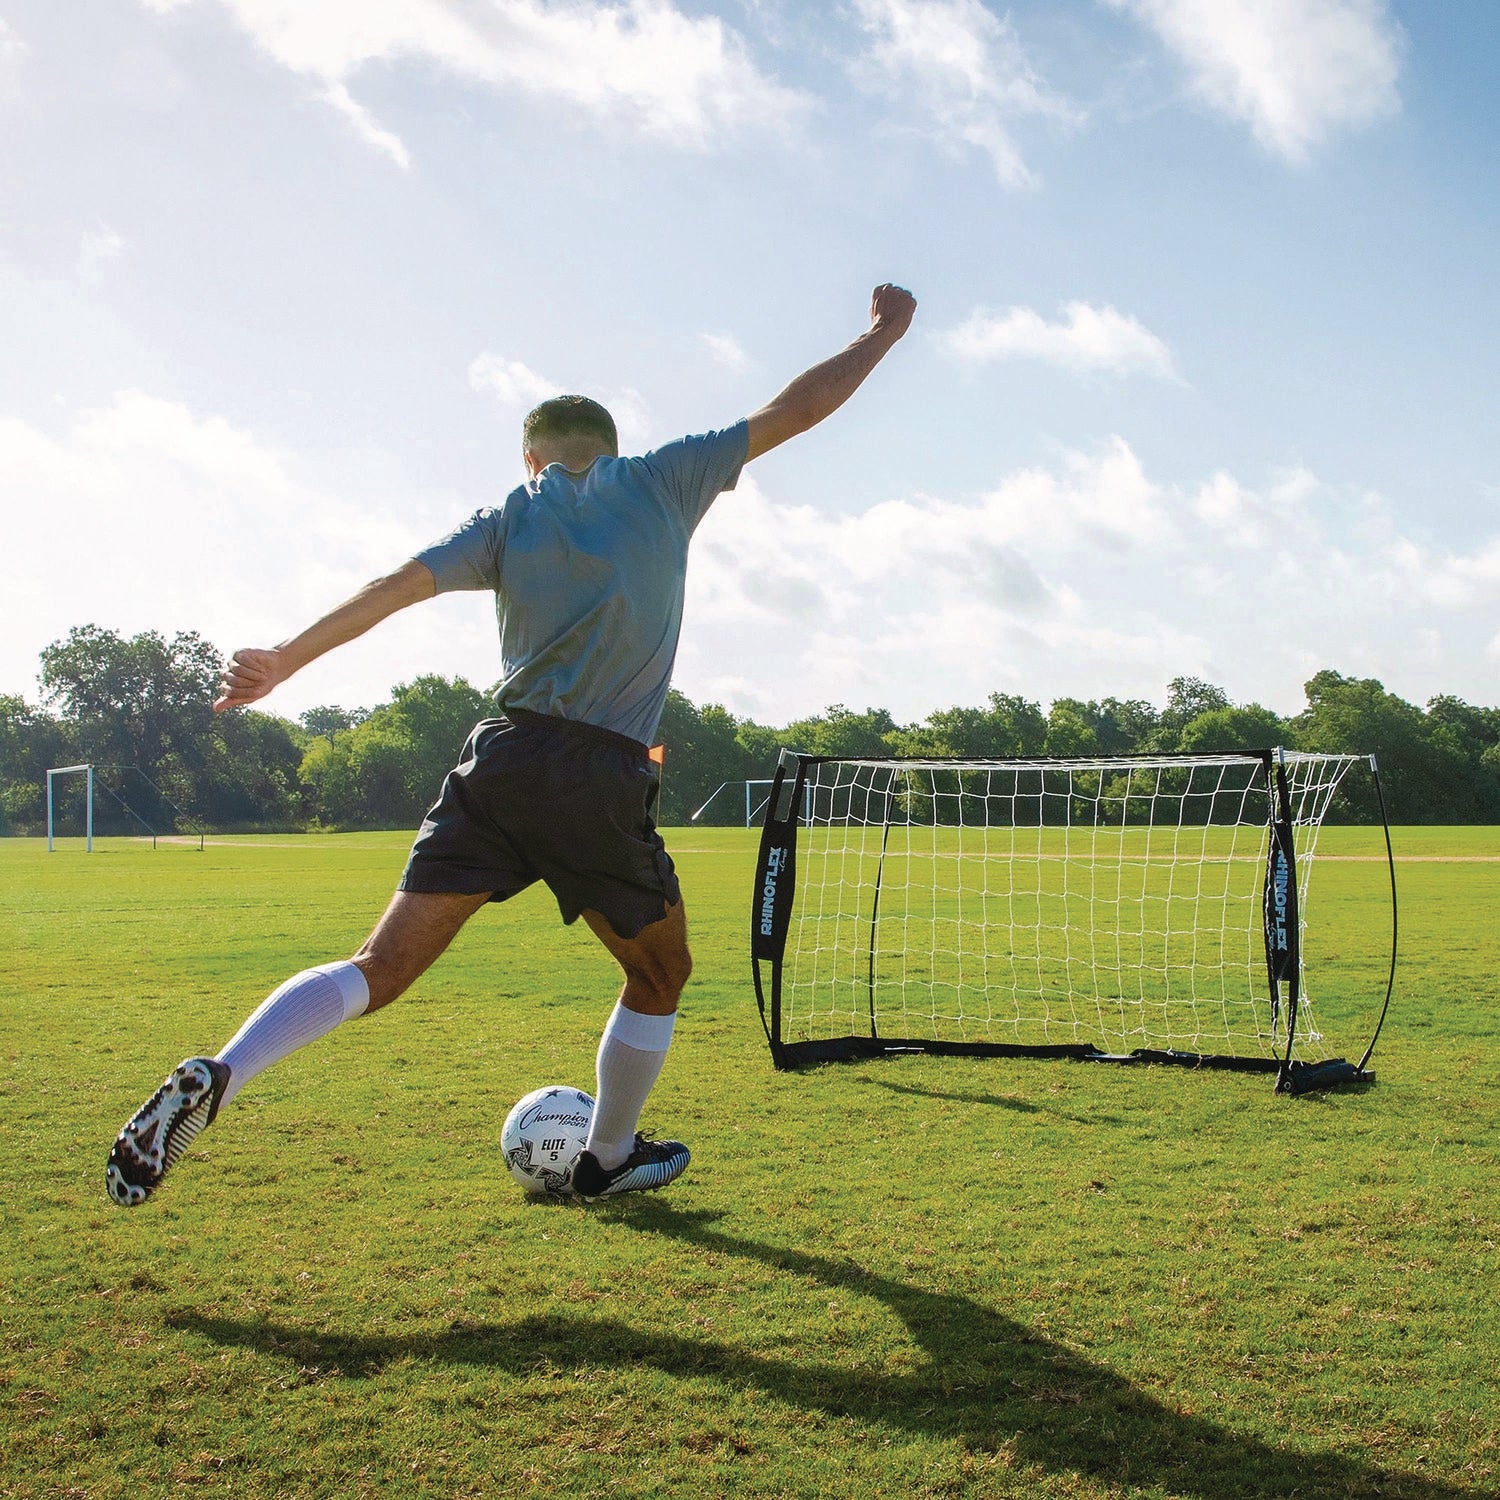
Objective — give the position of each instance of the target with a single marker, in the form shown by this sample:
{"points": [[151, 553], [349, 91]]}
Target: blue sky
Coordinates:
{"points": [[1202, 379]]}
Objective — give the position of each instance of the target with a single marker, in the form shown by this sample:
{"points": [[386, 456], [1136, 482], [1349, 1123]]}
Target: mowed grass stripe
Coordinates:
{"points": [[918, 1278]]}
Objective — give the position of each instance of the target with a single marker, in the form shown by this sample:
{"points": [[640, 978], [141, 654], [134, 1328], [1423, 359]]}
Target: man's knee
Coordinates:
{"points": [[680, 969], [665, 972]]}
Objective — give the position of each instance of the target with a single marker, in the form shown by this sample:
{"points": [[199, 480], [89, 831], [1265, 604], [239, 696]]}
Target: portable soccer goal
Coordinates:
{"points": [[1126, 909]]}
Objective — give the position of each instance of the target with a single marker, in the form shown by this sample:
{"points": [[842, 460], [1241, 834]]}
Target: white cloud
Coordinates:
{"points": [[1085, 577], [95, 251], [632, 417], [962, 70], [640, 65], [1088, 338], [13, 55], [12, 48], [510, 382], [725, 350], [1484, 566], [170, 520], [366, 126], [517, 387], [1292, 70], [1449, 581]]}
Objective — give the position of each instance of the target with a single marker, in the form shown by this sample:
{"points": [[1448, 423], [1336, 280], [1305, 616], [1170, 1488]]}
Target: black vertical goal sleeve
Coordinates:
{"points": [[775, 888], [1283, 929], [1281, 907]]}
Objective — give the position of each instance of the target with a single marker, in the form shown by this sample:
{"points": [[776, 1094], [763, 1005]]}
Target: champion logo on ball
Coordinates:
{"points": [[546, 1114]]}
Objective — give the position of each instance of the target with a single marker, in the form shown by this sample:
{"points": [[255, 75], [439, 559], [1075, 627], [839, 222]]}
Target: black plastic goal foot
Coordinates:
{"points": [[1303, 1078]]}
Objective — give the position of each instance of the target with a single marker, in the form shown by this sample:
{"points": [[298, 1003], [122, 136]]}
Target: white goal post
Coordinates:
{"points": [[1129, 909], [99, 778], [757, 795], [88, 771]]}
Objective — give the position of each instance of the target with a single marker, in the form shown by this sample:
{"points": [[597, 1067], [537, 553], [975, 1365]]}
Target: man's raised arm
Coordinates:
{"points": [[251, 674], [820, 391]]}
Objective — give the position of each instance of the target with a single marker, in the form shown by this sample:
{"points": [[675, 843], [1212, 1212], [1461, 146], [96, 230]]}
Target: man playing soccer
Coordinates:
{"points": [[586, 561]]}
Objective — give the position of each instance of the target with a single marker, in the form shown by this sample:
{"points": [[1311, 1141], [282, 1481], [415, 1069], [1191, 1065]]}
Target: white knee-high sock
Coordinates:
{"points": [[631, 1054], [307, 1006]]}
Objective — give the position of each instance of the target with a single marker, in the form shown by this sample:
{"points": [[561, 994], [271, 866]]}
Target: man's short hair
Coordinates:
{"points": [[568, 417]]}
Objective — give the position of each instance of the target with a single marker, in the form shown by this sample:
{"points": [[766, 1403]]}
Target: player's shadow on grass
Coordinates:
{"points": [[988, 1382]]}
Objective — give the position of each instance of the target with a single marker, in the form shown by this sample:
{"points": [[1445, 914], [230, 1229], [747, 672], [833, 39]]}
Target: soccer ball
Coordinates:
{"points": [[542, 1136]]}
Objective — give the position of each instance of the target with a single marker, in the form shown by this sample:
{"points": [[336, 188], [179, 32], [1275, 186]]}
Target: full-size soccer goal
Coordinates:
{"points": [[1140, 909]]}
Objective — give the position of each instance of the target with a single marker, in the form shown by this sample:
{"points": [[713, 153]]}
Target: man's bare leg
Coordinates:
{"points": [[634, 1047], [411, 936], [414, 931]]}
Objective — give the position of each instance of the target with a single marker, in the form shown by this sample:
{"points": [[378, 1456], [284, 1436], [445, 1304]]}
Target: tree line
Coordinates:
{"points": [[138, 708]]}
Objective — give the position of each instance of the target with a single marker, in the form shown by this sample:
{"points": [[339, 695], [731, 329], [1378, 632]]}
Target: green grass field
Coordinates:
{"points": [[920, 1277]]}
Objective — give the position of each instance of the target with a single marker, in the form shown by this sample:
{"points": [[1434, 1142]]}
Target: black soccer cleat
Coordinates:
{"points": [[163, 1128], [652, 1164]]}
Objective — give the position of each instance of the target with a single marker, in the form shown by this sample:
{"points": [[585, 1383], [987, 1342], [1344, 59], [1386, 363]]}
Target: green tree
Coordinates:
{"points": [[329, 778], [703, 751], [248, 774], [841, 731], [1069, 732], [31, 740], [141, 709], [1187, 699], [1016, 726], [1473, 734], [1120, 726], [386, 771], [1125, 725], [1424, 772], [1250, 727], [131, 701], [435, 716], [1476, 728], [760, 745], [1006, 726], [329, 720]]}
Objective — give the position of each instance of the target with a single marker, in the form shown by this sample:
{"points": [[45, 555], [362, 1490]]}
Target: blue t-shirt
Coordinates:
{"points": [[588, 574]]}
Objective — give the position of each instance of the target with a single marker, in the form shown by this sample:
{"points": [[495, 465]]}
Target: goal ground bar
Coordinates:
{"points": [[1299, 1078]]}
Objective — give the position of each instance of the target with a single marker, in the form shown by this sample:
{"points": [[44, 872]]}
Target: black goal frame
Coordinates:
{"points": [[775, 895]]}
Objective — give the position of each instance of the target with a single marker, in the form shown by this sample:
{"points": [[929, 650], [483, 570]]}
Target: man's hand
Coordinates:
{"points": [[250, 675], [820, 391], [891, 310]]}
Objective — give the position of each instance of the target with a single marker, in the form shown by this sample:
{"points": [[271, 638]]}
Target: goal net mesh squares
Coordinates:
{"points": [[1132, 909]]}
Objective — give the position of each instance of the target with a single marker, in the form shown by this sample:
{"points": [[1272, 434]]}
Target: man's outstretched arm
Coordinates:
{"points": [[820, 391], [251, 674]]}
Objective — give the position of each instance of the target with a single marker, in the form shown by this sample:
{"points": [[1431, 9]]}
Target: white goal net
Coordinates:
{"points": [[1144, 908]]}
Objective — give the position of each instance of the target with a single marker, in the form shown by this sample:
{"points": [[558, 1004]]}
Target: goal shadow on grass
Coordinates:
{"points": [[989, 1382], [996, 1101]]}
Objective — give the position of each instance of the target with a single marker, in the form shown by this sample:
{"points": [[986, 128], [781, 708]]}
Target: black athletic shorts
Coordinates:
{"points": [[537, 798]]}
